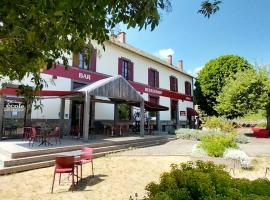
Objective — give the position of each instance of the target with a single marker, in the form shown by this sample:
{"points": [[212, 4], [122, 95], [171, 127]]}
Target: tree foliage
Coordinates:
{"points": [[205, 180], [246, 92], [209, 8], [37, 33], [213, 77]]}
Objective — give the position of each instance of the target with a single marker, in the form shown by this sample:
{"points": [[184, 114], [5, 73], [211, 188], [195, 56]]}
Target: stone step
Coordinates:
{"points": [[52, 150], [42, 158], [48, 163]]}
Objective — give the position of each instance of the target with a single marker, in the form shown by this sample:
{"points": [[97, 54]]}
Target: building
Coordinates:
{"points": [[157, 81]]}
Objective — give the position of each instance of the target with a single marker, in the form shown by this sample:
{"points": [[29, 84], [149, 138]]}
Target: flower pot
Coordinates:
{"points": [[260, 132]]}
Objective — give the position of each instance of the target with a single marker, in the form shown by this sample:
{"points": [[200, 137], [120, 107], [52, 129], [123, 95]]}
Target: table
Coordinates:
{"points": [[45, 136]]}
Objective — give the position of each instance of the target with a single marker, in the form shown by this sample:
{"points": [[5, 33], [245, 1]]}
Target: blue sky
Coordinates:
{"points": [[241, 27]]}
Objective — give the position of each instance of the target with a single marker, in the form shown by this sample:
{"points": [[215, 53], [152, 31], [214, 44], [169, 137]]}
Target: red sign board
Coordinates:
{"points": [[86, 76]]}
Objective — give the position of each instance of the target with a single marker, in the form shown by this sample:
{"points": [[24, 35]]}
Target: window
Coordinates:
{"points": [[187, 88], [173, 84], [125, 68], [153, 77], [79, 60], [82, 62], [76, 85], [174, 105]]}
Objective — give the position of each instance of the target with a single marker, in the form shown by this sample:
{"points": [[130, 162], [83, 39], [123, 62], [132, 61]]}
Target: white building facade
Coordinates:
{"points": [[156, 80]]}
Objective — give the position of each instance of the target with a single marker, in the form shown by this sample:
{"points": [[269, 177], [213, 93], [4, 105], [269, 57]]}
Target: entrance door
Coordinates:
{"points": [[77, 118]]}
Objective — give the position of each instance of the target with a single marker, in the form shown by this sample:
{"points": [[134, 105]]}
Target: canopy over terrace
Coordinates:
{"points": [[116, 89]]}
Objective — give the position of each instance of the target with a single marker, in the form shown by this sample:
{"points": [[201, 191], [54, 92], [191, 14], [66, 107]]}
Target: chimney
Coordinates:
{"points": [[180, 65], [122, 37], [169, 59]]}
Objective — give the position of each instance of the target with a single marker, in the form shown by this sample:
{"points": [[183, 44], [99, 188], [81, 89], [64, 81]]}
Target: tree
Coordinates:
{"points": [[213, 77], [247, 92], [37, 33]]}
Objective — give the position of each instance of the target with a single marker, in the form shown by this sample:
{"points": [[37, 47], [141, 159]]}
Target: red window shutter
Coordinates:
{"points": [[150, 77], [176, 84], [171, 83], [187, 88], [157, 78], [120, 62], [131, 71], [93, 61]]}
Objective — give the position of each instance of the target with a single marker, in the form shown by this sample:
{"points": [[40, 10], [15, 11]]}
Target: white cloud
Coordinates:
{"points": [[194, 72], [163, 53]]}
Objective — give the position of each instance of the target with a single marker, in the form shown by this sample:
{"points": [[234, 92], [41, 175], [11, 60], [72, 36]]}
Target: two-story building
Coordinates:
{"points": [[156, 80]]}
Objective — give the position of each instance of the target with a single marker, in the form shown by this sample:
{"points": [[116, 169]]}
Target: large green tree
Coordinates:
{"points": [[34, 34], [247, 92], [213, 77], [37, 33]]}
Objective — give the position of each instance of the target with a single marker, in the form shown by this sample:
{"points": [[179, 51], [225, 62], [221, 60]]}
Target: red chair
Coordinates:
{"points": [[64, 165], [26, 133], [56, 134], [33, 136], [86, 157]]}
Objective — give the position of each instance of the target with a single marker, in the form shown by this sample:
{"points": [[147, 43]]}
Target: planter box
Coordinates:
{"points": [[260, 132]]}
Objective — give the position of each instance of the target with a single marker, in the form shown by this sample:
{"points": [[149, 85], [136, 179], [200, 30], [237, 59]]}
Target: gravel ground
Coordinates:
{"points": [[173, 148]]}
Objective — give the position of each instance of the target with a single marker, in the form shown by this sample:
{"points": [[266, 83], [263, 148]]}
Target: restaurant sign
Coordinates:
{"points": [[13, 106]]}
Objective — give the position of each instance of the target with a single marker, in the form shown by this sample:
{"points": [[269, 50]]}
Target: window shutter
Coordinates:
{"points": [[176, 84], [120, 61], [171, 83], [150, 77], [157, 74], [131, 71], [75, 60], [187, 88], [93, 61]]}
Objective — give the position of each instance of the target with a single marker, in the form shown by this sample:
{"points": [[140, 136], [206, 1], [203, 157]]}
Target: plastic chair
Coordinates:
{"points": [[64, 164], [56, 134], [33, 136], [86, 157]]}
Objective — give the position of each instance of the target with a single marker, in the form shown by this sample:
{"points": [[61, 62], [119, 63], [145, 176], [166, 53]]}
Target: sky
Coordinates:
{"points": [[240, 27]]}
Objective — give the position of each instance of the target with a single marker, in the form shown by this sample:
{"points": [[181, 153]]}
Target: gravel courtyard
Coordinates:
{"points": [[117, 176]]}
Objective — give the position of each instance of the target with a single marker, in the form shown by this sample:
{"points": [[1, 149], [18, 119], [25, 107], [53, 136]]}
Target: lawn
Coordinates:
{"points": [[117, 177]]}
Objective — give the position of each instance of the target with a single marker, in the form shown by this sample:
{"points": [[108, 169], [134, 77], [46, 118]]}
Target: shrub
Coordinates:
{"points": [[205, 180], [218, 123], [238, 155], [261, 125], [241, 139], [188, 134], [215, 145]]}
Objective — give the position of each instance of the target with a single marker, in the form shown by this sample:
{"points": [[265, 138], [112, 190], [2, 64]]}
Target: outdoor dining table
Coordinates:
{"points": [[45, 136]]}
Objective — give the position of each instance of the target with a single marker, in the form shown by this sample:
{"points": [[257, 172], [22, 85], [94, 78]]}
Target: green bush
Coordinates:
{"points": [[205, 180], [261, 125], [218, 123], [188, 134], [215, 145]]}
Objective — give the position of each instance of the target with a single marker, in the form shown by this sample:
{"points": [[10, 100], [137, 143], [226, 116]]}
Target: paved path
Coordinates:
{"points": [[173, 148], [257, 147]]}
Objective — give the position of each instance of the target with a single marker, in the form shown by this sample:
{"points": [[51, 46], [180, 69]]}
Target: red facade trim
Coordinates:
{"points": [[90, 77]]}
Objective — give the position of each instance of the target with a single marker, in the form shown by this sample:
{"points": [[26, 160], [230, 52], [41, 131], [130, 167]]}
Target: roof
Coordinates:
{"points": [[146, 55], [113, 87]]}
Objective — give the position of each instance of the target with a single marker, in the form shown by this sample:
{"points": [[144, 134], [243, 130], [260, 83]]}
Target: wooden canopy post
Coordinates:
{"points": [[86, 115], [142, 119], [2, 102], [177, 115], [62, 114]]}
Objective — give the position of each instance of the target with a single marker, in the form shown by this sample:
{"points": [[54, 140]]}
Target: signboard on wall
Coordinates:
{"points": [[13, 106], [183, 113]]}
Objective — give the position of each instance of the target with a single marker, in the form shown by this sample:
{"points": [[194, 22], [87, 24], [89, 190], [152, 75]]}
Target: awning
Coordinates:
{"points": [[191, 112], [52, 93], [149, 106]]}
